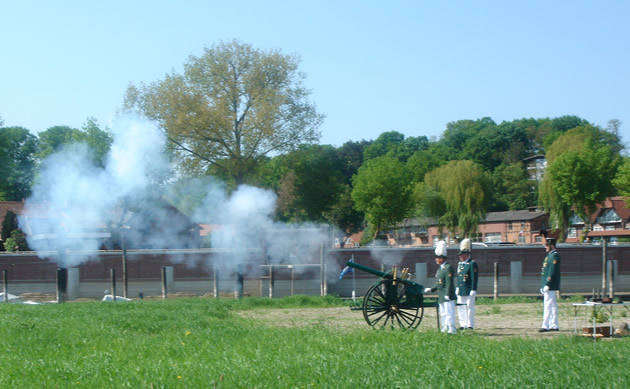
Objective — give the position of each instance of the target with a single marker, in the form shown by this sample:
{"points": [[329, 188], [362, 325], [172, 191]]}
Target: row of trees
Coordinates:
{"points": [[242, 115], [21, 153]]}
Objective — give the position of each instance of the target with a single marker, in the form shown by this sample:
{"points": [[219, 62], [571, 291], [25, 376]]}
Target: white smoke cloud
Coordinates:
{"points": [[73, 201], [72, 198], [245, 220]]}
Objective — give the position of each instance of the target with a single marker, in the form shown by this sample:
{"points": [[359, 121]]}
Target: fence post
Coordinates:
{"points": [[164, 286], [113, 276], [215, 283], [612, 272], [271, 281], [239, 291], [62, 284], [496, 280], [5, 286], [604, 249]]}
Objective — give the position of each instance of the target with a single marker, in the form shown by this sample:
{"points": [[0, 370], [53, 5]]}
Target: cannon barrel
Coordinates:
{"points": [[369, 270], [387, 275]]}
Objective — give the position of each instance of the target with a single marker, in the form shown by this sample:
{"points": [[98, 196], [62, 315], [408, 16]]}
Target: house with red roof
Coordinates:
{"points": [[611, 221]]}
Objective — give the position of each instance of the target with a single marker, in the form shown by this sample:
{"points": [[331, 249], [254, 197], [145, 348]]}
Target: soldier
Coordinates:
{"points": [[550, 283], [445, 288], [466, 291]]}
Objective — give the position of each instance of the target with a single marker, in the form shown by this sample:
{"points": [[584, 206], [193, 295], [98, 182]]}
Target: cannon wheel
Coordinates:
{"points": [[384, 306]]}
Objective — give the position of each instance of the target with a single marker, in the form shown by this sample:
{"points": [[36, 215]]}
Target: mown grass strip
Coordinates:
{"points": [[201, 343]]}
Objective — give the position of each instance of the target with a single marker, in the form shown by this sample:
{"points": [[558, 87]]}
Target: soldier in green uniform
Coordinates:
{"points": [[550, 283], [466, 290], [445, 288]]}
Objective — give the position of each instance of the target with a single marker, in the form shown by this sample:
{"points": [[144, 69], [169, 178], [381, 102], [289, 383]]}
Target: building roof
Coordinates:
{"points": [[593, 234], [508, 216], [617, 203]]}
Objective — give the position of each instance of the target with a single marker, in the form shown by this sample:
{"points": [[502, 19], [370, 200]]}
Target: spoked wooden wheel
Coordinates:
{"points": [[386, 305]]}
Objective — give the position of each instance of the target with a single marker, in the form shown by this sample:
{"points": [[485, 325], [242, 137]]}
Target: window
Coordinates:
{"points": [[538, 239], [572, 233], [597, 227], [493, 237], [521, 239], [610, 228], [608, 216], [575, 219]]}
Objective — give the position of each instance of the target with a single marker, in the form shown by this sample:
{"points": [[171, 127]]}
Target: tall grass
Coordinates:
{"points": [[201, 343]]}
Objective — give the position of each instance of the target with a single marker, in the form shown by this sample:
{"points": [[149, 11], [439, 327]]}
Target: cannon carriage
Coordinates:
{"points": [[394, 300]]}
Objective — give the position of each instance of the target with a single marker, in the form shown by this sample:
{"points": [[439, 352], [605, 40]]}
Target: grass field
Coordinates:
{"points": [[206, 343]]}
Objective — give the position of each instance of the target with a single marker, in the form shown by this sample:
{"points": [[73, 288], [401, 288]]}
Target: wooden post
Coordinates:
{"points": [[164, 286], [496, 280], [611, 278], [215, 284], [62, 284], [124, 264], [324, 285], [113, 276], [5, 286], [270, 281], [238, 293], [604, 249], [292, 279]]}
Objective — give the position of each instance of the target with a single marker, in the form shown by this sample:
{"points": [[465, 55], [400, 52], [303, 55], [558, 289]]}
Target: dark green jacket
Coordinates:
{"points": [[467, 276], [550, 274], [444, 284]]}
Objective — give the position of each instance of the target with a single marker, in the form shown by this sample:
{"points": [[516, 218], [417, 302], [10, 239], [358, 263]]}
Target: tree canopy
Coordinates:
{"points": [[17, 158], [231, 107], [581, 165], [382, 190], [461, 194], [57, 138]]}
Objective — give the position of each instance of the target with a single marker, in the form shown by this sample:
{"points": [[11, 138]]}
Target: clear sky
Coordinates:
{"points": [[372, 66]]}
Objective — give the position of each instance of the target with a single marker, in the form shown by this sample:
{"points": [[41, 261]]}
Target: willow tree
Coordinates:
{"points": [[581, 166], [231, 107], [464, 192]]}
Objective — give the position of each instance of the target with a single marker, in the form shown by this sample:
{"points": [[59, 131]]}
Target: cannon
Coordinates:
{"points": [[393, 301]]}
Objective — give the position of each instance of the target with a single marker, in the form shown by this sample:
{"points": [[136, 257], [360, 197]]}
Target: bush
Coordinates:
{"points": [[16, 242]]}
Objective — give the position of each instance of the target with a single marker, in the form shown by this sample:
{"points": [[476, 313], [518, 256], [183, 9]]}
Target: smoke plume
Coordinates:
{"points": [[75, 204]]}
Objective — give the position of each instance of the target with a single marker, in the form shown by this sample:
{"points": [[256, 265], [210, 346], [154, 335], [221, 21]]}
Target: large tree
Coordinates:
{"points": [[382, 190], [460, 194], [17, 159], [581, 165], [311, 183], [512, 188], [232, 106], [622, 180], [57, 138]]}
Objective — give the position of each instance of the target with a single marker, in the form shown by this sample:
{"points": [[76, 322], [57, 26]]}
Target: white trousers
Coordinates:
{"points": [[466, 312], [447, 316], [550, 311]]}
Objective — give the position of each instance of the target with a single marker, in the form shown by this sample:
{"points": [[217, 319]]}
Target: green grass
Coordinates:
{"points": [[201, 343]]}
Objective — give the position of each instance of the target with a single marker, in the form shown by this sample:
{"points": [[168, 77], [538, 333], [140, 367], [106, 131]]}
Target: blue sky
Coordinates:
{"points": [[372, 66]]}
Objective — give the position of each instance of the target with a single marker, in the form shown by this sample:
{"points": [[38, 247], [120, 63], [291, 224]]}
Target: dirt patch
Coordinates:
{"points": [[494, 321]]}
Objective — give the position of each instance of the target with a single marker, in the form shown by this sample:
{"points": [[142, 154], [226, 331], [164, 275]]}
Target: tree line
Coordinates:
{"points": [[242, 115]]}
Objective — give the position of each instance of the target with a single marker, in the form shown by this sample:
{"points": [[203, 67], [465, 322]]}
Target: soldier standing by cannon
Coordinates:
{"points": [[550, 283], [445, 288], [466, 291]]}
